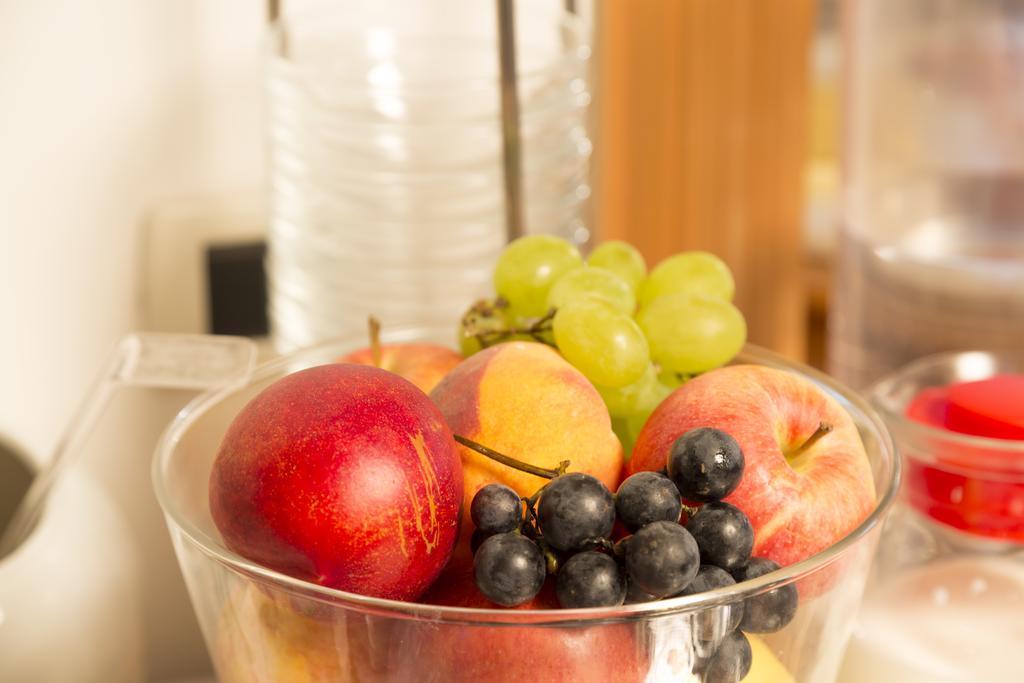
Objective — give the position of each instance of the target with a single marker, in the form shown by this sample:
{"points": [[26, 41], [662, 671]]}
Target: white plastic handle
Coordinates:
{"points": [[142, 359]]}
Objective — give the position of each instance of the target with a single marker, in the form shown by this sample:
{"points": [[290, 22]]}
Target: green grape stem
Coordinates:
{"points": [[512, 462], [532, 500], [690, 510], [489, 336]]}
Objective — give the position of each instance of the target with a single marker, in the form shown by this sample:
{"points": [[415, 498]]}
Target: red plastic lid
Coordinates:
{"points": [[962, 487], [990, 407]]}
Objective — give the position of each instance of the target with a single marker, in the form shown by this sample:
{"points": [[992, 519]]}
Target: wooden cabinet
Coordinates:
{"points": [[701, 128]]}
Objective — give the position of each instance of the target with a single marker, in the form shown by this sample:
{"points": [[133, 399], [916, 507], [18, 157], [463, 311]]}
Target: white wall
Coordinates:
{"points": [[106, 109]]}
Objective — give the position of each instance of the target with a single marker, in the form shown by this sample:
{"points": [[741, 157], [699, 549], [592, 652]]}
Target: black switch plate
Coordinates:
{"points": [[237, 289]]}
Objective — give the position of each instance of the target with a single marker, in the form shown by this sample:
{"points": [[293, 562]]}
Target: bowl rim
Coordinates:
{"points": [[214, 549]]}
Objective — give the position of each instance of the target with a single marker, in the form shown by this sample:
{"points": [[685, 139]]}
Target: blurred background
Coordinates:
{"points": [[135, 141], [138, 138]]}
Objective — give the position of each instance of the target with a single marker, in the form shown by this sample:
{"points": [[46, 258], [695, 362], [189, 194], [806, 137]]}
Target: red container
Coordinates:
{"points": [[955, 418]]}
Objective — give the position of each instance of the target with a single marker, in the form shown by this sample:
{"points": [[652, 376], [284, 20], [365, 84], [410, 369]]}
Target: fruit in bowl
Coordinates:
{"points": [[736, 471], [807, 480], [421, 363], [260, 640], [520, 653], [525, 654], [521, 398], [343, 475], [634, 336]]}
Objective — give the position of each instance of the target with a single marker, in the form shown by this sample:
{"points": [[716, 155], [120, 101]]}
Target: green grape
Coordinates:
{"points": [[621, 258], [690, 334], [634, 425], [692, 272], [621, 428], [625, 401], [670, 379], [605, 345], [628, 427], [528, 268], [468, 344], [485, 317], [641, 396], [653, 398], [596, 282]]}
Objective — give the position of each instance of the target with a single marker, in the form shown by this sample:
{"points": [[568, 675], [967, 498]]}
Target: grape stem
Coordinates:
{"points": [[530, 527], [490, 337], [375, 350], [690, 511], [823, 429], [600, 543], [550, 559], [512, 462]]}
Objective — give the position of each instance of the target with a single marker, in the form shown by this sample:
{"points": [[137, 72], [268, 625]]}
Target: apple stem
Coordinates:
{"points": [[512, 462], [375, 351], [823, 429]]}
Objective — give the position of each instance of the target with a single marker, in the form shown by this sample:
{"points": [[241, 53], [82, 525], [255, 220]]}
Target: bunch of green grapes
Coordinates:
{"points": [[635, 336]]}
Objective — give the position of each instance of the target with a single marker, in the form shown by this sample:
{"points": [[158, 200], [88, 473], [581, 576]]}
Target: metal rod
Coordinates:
{"points": [[511, 142]]}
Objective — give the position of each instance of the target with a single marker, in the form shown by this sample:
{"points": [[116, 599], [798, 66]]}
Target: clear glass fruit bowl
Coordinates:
{"points": [[265, 627]]}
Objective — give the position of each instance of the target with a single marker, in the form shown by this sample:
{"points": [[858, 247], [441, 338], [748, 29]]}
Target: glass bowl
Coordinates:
{"points": [[944, 599], [263, 626], [972, 484]]}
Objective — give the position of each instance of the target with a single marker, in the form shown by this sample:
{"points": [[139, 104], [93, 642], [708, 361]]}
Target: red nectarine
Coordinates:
{"points": [[344, 475]]}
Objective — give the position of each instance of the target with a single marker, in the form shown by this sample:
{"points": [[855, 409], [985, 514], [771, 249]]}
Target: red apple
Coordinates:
{"points": [[454, 653], [344, 475], [800, 497], [422, 364]]}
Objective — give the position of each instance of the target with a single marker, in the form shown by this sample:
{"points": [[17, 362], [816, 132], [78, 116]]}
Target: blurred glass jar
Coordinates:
{"points": [[386, 183], [932, 244], [946, 595]]}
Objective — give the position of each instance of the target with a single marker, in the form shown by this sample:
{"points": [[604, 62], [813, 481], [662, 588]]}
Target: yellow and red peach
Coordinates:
{"points": [[526, 401]]}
